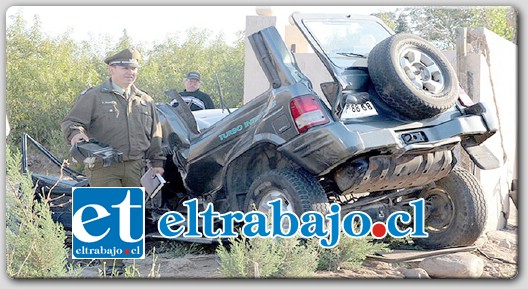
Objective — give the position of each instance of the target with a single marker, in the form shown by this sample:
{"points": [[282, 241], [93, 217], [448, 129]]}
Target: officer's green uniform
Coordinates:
{"points": [[129, 124]]}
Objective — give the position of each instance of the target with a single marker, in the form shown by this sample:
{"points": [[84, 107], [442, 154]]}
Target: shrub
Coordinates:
{"points": [[267, 258], [35, 244], [300, 258], [349, 253]]}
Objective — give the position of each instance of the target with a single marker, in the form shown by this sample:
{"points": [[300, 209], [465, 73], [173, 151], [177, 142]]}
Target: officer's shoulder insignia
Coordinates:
{"points": [[86, 90], [141, 92], [144, 95]]}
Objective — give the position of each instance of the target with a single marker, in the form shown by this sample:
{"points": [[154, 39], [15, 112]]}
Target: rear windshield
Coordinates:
{"points": [[345, 41]]}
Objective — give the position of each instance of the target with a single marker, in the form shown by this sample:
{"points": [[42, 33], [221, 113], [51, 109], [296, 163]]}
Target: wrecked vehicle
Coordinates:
{"points": [[383, 134]]}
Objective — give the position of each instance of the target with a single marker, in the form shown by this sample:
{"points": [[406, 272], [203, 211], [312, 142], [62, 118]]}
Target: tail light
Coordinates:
{"points": [[464, 99], [307, 112]]}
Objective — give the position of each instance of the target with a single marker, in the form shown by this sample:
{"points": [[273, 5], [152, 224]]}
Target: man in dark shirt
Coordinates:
{"points": [[192, 95]]}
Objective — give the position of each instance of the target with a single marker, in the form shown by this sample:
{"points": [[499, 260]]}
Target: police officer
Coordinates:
{"points": [[117, 113], [192, 95]]}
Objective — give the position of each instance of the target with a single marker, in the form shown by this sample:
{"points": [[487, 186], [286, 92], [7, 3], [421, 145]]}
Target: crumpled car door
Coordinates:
{"points": [[277, 62]]}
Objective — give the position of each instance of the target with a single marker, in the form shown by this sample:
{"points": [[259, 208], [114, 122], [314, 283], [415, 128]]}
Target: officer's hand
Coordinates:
{"points": [[157, 170], [79, 137]]}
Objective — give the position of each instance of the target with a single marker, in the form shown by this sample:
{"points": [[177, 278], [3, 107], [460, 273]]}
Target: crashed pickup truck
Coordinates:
{"points": [[383, 134]]}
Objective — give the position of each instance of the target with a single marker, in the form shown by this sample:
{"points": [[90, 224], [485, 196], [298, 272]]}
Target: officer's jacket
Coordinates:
{"points": [[131, 126]]}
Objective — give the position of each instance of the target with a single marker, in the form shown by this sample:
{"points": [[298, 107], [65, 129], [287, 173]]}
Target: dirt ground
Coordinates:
{"points": [[498, 249]]}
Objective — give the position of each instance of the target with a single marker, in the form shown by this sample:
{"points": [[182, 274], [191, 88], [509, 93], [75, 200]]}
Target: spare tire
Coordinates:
{"points": [[412, 76], [383, 108]]}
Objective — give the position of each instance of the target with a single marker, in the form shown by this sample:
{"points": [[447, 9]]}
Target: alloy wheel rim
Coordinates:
{"points": [[422, 71]]}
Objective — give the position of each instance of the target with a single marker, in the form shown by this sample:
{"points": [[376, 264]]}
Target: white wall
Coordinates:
{"points": [[497, 59], [491, 66]]}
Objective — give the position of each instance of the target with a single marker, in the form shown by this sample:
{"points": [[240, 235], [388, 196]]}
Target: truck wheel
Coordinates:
{"points": [[412, 76], [298, 189], [455, 213]]}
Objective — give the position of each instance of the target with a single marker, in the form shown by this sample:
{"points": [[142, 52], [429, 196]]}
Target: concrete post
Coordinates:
{"points": [[255, 81], [461, 49], [293, 36]]}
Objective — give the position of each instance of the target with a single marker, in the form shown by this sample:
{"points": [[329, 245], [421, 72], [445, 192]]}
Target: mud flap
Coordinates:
{"points": [[482, 156]]}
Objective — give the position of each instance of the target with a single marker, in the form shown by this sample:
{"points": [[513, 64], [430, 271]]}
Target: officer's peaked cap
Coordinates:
{"points": [[127, 57]]}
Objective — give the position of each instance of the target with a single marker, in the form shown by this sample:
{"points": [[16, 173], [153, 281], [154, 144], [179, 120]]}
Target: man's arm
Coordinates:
{"points": [[155, 153], [75, 123]]}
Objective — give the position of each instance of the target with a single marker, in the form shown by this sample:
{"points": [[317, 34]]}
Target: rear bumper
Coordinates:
{"points": [[324, 148]]}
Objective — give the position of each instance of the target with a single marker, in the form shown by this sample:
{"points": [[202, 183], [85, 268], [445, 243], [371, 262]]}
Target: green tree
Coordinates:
{"points": [[501, 20], [167, 63], [389, 18], [439, 24], [44, 75]]}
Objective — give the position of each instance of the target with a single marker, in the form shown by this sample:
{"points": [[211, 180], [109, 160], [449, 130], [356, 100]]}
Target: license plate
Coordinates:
{"points": [[358, 110]]}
